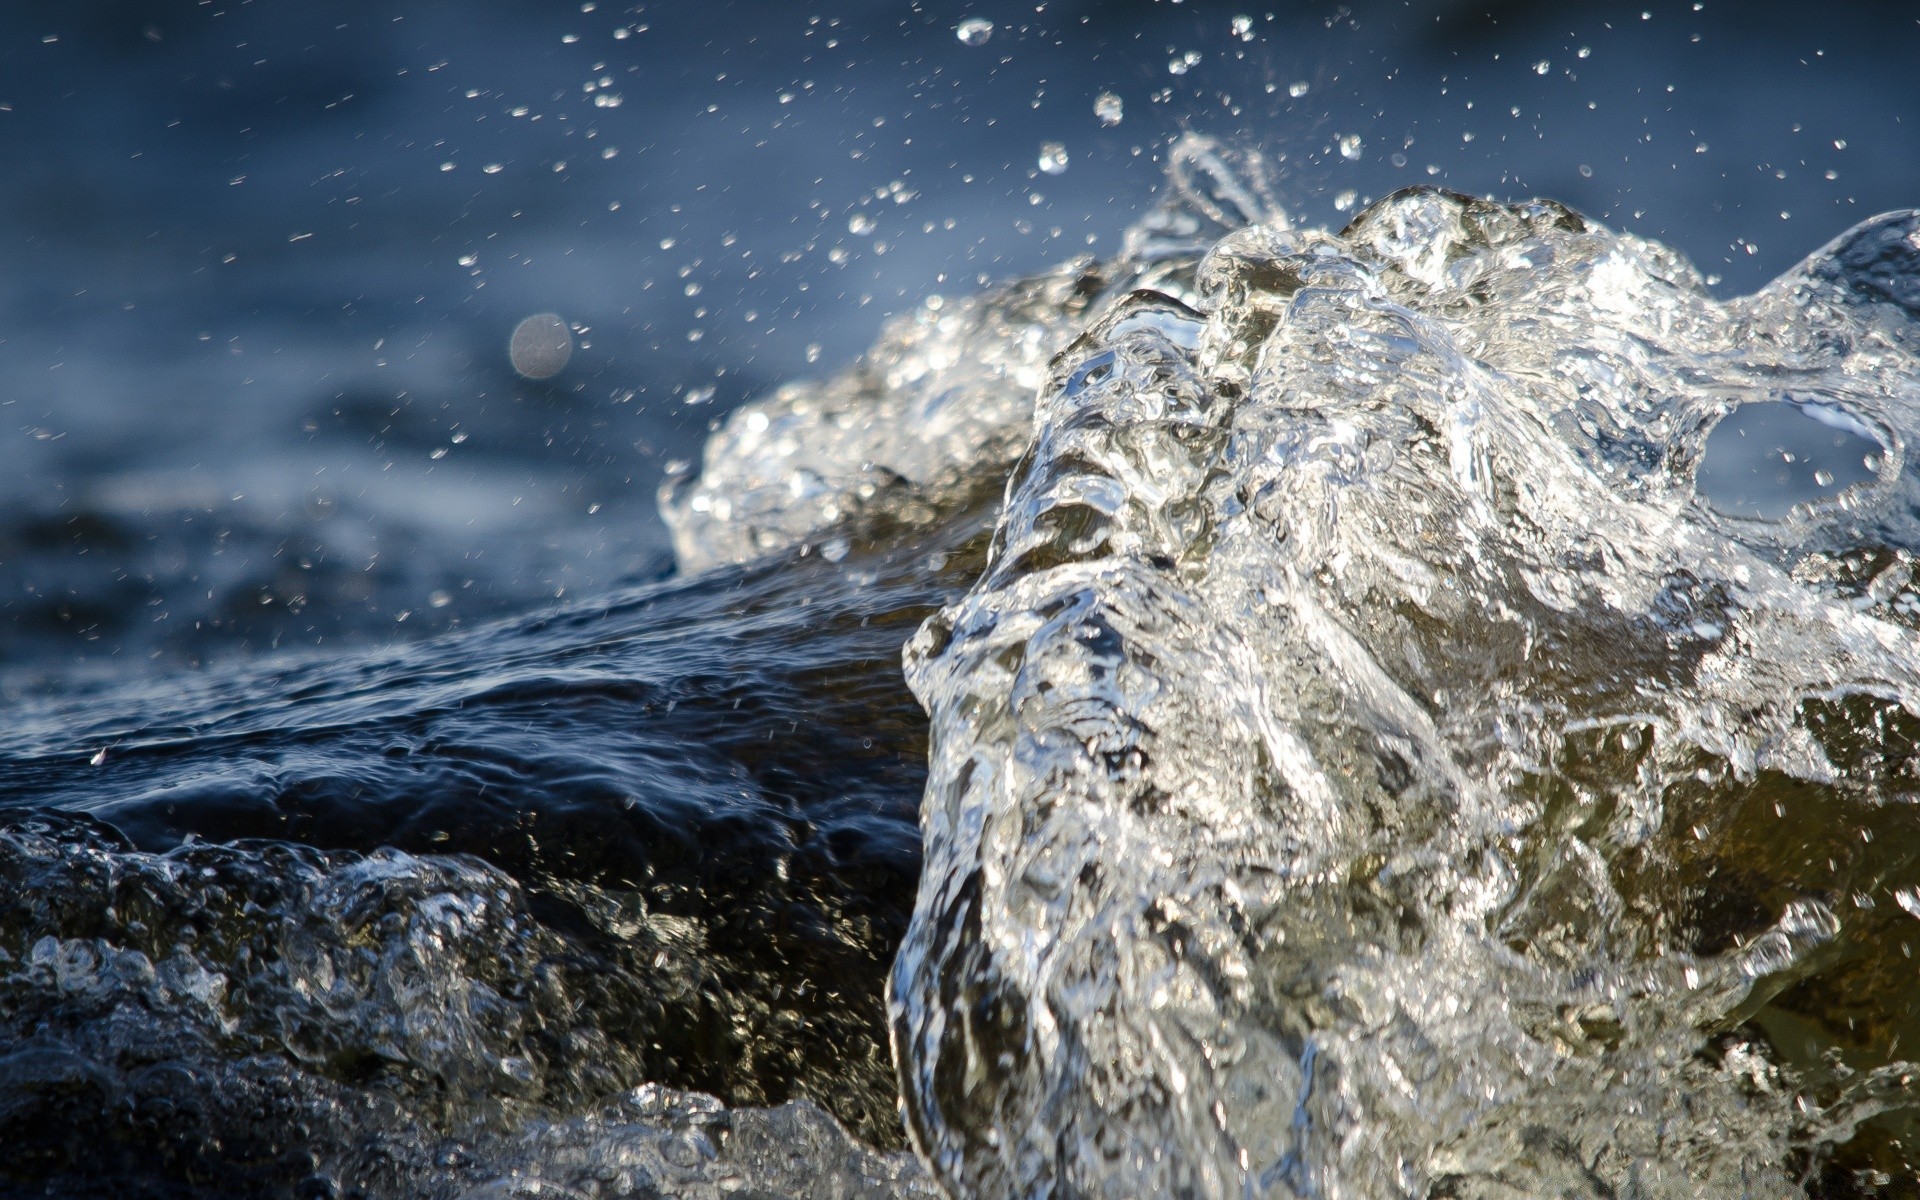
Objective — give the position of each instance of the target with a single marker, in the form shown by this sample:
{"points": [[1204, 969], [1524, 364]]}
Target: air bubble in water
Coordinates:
{"points": [[1109, 108], [1053, 158], [974, 31]]}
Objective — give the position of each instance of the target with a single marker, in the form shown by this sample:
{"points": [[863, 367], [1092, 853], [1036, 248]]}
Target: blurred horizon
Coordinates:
{"points": [[260, 262]]}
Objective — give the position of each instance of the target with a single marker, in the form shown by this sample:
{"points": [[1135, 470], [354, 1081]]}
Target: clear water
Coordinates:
{"points": [[1369, 764], [1375, 719]]}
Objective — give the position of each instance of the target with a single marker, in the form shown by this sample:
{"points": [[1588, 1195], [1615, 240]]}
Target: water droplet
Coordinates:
{"points": [[1298, 89], [1109, 108], [1053, 157], [1345, 200], [1243, 28], [859, 224], [1909, 899], [974, 31], [1542, 67], [1186, 62], [540, 346], [1350, 146]]}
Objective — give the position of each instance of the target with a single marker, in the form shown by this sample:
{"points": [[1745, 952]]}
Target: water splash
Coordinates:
{"points": [[1369, 767], [930, 419], [1372, 759]]}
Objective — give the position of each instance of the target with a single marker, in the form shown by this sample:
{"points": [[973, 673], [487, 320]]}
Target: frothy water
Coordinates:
{"points": [[1370, 763], [1383, 742]]}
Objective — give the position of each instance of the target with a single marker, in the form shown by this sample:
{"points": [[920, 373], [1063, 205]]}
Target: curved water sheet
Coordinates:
{"points": [[1370, 767], [597, 902], [930, 419]]}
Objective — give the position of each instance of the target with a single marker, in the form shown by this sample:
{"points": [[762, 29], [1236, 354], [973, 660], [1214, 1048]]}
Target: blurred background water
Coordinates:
{"points": [[260, 262]]}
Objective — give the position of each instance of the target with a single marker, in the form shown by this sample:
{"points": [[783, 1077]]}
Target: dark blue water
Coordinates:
{"points": [[317, 619]]}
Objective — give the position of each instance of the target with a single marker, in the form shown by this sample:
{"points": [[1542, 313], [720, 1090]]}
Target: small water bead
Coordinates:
{"points": [[1350, 146], [1186, 62], [540, 346], [974, 31], [1109, 108], [1053, 158], [1243, 28], [1298, 88]]}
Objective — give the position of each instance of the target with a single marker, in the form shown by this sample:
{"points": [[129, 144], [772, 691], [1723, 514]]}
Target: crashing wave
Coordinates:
{"points": [[931, 418], [1369, 764]]}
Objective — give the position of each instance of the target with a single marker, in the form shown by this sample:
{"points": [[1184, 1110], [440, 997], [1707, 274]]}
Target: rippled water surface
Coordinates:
{"points": [[1269, 676]]}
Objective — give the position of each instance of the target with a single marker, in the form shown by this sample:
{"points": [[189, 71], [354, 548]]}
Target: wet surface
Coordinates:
{"points": [[395, 803]]}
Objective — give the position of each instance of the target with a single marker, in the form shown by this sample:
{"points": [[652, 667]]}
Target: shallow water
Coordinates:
{"points": [[1422, 707], [1365, 759], [251, 940]]}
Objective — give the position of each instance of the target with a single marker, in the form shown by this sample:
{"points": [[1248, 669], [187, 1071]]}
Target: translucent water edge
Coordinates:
{"points": [[1369, 764]]}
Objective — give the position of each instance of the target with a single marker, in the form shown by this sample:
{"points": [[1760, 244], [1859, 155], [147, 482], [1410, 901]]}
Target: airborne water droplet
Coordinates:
{"points": [[1909, 899], [1350, 146], [540, 346], [1109, 108], [974, 31], [1053, 158]]}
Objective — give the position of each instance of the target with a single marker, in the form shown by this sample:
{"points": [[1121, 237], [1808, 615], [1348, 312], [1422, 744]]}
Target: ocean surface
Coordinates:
{"points": [[1059, 599]]}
